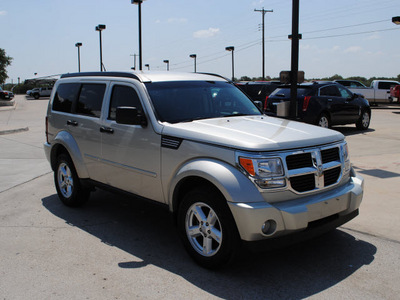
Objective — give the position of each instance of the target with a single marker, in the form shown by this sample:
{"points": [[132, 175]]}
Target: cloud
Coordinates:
{"points": [[353, 49], [206, 33], [3, 12], [177, 20]]}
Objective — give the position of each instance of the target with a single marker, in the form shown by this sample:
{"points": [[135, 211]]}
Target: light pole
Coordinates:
{"points": [[148, 66], [134, 61], [167, 62], [195, 57], [139, 2], [100, 28], [78, 45], [231, 48]]}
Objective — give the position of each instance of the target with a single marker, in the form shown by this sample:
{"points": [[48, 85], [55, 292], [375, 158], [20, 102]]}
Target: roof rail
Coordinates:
{"points": [[111, 74], [217, 75]]}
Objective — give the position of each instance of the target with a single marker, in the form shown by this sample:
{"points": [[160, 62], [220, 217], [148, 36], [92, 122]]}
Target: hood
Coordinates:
{"points": [[253, 133]]}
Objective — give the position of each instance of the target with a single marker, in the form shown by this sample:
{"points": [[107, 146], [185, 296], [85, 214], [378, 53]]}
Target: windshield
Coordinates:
{"points": [[186, 101]]}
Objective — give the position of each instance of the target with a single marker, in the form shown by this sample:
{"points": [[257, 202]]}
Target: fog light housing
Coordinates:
{"points": [[269, 227]]}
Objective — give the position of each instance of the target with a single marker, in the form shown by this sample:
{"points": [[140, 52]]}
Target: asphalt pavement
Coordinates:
{"points": [[116, 248]]}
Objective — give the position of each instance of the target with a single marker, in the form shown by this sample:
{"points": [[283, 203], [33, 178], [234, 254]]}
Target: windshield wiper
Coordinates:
{"points": [[235, 115]]}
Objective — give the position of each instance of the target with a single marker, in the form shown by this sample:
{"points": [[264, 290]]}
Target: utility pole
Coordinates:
{"points": [[295, 37], [263, 11]]}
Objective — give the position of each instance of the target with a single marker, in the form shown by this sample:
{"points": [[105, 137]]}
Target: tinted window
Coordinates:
{"points": [[189, 100], [66, 94], [330, 90], [91, 99], [123, 96], [285, 92], [386, 85]]}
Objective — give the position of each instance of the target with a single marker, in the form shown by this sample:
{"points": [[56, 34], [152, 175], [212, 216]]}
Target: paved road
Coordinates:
{"points": [[116, 248]]}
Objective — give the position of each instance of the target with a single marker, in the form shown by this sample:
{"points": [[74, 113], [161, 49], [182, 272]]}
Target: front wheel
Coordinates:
{"points": [[364, 121], [207, 228], [68, 186]]}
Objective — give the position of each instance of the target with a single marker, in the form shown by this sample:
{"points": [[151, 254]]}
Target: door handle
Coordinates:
{"points": [[106, 130], [329, 100], [72, 123]]}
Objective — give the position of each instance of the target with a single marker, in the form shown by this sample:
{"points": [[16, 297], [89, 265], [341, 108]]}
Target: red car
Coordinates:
{"points": [[6, 95], [395, 93]]}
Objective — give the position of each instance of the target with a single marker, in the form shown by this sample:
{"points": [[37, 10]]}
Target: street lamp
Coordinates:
{"points": [[148, 66], [231, 48], [396, 20], [139, 2], [194, 56], [100, 28], [78, 45], [167, 62]]}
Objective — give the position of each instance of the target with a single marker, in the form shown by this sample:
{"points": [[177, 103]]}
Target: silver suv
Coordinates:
{"points": [[230, 175]]}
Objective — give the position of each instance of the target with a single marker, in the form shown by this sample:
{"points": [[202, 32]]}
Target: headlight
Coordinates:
{"points": [[267, 172], [346, 156]]}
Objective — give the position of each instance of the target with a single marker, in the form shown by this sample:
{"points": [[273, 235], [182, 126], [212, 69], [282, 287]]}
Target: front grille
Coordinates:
{"points": [[314, 169], [303, 183], [298, 161], [331, 176], [329, 155]]}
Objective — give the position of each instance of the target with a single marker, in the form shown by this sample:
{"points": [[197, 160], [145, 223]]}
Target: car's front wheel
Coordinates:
{"points": [[67, 182], [364, 121], [207, 228]]}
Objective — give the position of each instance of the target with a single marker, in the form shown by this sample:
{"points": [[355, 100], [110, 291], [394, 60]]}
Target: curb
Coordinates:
{"points": [[10, 131]]}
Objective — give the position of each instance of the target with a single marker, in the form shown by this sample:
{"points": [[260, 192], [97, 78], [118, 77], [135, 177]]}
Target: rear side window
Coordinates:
{"points": [[386, 85], [329, 90], [285, 92], [65, 96], [123, 96], [91, 99]]}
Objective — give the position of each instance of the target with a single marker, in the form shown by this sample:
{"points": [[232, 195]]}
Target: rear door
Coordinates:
{"points": [[334, 102]]}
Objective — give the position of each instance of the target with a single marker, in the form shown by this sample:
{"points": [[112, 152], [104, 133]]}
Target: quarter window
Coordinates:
{"points": [[123, 96], [91, 99], [66, 95], [329, 90]]}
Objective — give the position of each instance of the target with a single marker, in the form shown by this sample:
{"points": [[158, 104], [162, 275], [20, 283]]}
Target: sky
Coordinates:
{"points": [[345, 37]]}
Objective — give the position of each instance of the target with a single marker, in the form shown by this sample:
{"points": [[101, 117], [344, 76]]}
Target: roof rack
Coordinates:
{"points": [[111, 74]]}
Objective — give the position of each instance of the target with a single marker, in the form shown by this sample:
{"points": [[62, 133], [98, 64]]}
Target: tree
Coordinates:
{"points": [[5, 61]]}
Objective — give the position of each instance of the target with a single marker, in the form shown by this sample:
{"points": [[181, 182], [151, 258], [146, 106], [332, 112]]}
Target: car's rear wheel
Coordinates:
{"points": [[324, 121], [67, 182], [36, 96], [364, 121], [207, 228]]}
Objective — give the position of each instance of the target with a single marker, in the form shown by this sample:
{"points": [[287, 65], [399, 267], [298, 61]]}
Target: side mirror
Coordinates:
{"points": [[130, 116]]}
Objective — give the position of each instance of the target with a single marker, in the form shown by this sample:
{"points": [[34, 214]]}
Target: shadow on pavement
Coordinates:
{"points": [[352, 130], [147, 232]]}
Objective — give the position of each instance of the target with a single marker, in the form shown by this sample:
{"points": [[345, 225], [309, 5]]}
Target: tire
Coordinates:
{"points": [[207, 228], [323, 121], [364, 121], [36, 96], [67, 183]]}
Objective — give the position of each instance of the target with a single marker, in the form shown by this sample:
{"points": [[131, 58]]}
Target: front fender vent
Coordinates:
{"points": [[170, 142]]}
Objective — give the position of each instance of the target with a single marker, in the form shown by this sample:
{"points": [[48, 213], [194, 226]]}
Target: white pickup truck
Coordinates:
{"points": [[378, 92]]}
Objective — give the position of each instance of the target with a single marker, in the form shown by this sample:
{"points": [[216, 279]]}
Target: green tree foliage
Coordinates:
{"points": [[5, 61]]}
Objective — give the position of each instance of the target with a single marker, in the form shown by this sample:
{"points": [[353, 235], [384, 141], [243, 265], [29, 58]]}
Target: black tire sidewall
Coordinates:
{"points": [[230, 238], [360, 124]]}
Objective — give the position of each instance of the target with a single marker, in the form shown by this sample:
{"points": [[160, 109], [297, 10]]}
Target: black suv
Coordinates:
{"points": [[324, 103], [258, 90]]}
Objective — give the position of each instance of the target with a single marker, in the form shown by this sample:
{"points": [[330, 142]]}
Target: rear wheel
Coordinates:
{"points": [[363, 122], [68, 186], [323, 121], [36, 96], [207, 228]]}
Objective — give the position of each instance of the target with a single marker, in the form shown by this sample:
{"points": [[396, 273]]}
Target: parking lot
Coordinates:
{"points": [[119, 248]]}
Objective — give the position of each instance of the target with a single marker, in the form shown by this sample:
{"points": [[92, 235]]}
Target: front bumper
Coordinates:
{"points": [[336, 206]]}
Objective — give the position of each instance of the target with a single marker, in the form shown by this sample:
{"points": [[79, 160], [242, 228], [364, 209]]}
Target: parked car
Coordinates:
{"points": [[197, 144], [258, 90], [378, 92], [41, 92], [395, 93], [324, 104], [6, 95]]}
